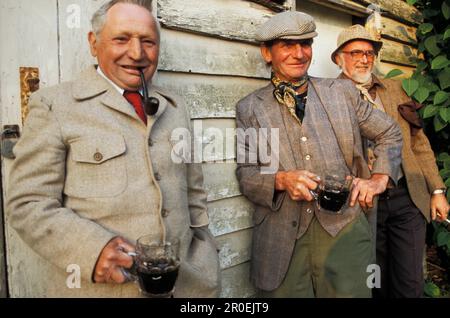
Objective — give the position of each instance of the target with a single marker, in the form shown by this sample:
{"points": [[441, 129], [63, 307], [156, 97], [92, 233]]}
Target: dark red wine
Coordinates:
{"points": [[333, 200], [157, 277]]}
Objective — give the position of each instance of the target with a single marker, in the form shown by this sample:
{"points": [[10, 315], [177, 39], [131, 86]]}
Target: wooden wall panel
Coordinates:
{"points": [[398, 53], [236, 282], [230, 215], [190, 53], [220, 181], [231, 19], [29, 34], [394, 30], [209, 96], [234, 248]]}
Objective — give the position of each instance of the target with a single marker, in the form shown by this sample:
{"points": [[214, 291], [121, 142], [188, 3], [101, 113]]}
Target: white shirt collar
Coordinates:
{"points": [[120, 90]]}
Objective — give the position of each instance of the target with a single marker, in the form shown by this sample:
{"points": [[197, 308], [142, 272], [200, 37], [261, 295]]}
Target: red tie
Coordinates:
{"points": [[135, 99]]}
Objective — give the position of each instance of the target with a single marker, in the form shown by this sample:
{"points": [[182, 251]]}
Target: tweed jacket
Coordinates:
{"points": [[88, 169], [275, 214], [418, 160]]}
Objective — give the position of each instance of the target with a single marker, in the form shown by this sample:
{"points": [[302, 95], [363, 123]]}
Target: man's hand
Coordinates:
{"points": [[439, 207], [297, 183], [364, 190], [112, 259]]}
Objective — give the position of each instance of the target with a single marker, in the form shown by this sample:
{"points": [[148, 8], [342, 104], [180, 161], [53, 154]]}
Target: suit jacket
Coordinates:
{"points": [[418, 161], [274, 235], [87, 169]]}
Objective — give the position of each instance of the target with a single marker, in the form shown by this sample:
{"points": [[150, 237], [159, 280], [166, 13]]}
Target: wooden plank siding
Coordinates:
{"points": [[29, 34], [230, 215], [396, 9], [236, 282], [191, 53], [398, 27], [232, 19], [209, 96], [398, 31], [395, 52], [234, 248]]}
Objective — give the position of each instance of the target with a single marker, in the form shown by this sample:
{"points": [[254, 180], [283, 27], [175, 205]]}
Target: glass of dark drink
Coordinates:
{"points": [[333, 192], [156, 266]]}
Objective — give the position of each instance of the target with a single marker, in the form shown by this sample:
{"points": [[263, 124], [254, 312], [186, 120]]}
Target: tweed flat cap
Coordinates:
{"points": [[355, 32], [289, 25]]}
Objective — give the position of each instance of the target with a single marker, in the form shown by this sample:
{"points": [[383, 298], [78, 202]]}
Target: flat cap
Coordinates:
{"points": [[289, 25], [355, 32]]}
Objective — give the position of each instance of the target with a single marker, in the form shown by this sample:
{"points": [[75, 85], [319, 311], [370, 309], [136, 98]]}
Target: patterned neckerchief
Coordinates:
{"points": [[286, 94]]}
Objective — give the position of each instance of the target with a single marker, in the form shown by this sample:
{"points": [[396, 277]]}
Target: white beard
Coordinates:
{"points": [[356, 76], [361, 78]]}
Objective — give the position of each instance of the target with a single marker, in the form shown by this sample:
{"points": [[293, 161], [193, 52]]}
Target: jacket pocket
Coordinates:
{"points": [[259, 215], [96, 167]]}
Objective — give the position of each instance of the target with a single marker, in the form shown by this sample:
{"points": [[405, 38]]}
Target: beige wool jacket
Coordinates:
{"points": [[418, 160], [87, 169]]}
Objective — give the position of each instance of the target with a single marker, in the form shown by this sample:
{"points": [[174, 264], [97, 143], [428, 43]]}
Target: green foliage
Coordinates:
{"points": [[430, 86], [394, 73], [410, 85], [430, 83], [432, 290]]}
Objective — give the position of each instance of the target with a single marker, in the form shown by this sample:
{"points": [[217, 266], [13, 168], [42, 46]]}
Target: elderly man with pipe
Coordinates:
{"points": [[93, 170]]}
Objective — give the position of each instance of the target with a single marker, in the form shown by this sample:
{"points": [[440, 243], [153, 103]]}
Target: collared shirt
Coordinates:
{"points": [[373, 87], [99, 71], [120, 90]]}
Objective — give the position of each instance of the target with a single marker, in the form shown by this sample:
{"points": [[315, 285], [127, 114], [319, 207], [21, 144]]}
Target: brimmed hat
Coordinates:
{"points": [[355, 32], [289, 25]]}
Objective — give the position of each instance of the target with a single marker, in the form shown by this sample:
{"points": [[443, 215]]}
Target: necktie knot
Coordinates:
{"points": [[135, 99]]}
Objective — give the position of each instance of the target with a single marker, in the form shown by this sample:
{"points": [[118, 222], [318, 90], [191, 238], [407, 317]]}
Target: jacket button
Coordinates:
{"points": [[294, 223], [304, 139], [164, 213], [157, 176], [309, 210], [150, 143], [98, 156], [308, 157]]}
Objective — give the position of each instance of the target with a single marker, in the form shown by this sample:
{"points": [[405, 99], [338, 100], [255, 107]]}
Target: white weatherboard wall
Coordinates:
{"points": [[29, 38]]}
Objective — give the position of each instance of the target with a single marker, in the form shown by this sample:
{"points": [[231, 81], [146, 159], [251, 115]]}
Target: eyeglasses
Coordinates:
{"points": [[359, 54]]}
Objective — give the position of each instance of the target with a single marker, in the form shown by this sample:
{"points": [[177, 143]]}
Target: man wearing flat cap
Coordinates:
{"points": [[419, 196], [300, 249]]}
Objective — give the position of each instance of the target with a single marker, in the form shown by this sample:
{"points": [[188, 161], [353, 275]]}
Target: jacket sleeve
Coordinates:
{"points": [[383, 131], [34, 199], [257, 186], [421, 148], [197, 196]]}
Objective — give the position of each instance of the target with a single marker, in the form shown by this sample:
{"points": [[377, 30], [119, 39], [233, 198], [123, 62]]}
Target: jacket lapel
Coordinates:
{"points": [[90, 84], [337, 113], [269, 116], [386, 99]]}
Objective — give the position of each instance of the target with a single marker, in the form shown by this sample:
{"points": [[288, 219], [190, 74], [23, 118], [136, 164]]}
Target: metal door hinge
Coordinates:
{"points": [[9, 137]]}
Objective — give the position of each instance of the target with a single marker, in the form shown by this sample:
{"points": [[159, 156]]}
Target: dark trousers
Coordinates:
{"points": [[401, 230]]}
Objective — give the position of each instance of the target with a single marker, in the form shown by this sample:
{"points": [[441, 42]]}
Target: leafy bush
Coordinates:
{"points": [[430, 86], [430, 83]]}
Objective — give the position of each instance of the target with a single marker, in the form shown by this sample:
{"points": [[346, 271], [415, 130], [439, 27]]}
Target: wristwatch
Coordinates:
{"points": [[439, 191]]}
